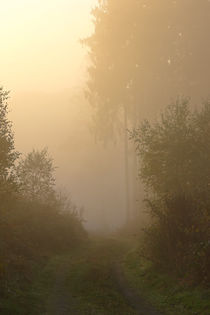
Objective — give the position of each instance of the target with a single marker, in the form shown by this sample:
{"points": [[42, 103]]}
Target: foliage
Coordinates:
{"points": [[8, 155], [143, 46], [34, 221], [168, 294], [31, 231], [175, 167], [35, 176], [112, 82]]}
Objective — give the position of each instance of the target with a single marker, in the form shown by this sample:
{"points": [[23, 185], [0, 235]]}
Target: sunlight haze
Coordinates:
{"points": [[105, 157], [43, 64], [40, 46]]}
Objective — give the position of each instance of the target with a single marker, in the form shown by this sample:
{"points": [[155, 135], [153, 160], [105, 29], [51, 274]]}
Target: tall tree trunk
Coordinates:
{"points": [[127, 197], [135, 182]]}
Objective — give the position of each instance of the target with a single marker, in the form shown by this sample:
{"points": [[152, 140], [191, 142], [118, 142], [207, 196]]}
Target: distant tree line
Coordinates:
{"points": [[35, 221]]}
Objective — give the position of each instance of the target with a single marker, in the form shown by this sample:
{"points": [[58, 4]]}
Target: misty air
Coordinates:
{"points": [[105, 157]]}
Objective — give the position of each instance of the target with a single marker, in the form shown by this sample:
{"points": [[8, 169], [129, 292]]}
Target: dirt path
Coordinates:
{"points": [[92, 282], [60, 301]]}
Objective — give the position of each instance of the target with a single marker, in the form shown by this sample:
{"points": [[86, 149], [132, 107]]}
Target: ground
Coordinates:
{"points": [[105, 276], [89, 281]]}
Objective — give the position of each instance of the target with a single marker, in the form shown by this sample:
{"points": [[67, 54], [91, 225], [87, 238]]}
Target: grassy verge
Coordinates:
{"points": [[23, 294], [25, 291], [170, 296]]}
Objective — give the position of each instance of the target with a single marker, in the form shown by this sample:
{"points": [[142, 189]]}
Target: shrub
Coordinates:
{"points": [[174, 156]]}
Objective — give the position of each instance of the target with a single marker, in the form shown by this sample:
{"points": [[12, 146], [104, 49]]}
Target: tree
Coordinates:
{"points": [[35, 175], [8, 155], [174, 151], [165, 149], [112, 80], [175, 168], [141, 54]]}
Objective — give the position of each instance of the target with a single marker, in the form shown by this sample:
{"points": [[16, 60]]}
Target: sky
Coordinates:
{"points": [[44, 66], [40, 47]]}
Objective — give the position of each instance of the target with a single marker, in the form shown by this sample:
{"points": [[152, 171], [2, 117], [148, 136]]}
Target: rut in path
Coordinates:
{"points": [[60, 301], [133, 298]]}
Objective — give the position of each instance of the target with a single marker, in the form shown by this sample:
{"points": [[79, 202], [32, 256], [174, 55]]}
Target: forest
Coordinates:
{"points": [[105, 157]]}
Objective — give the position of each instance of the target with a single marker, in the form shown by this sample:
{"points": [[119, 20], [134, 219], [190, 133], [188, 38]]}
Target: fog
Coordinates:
{"points": [[105, 157], [44, 66], [61, 121]]}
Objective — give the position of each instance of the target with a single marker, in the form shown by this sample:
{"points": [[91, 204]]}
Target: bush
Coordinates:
{"points": [[34, 221], [174, 156]]}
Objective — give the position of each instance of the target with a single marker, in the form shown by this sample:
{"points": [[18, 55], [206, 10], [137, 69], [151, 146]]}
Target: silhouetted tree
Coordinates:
{"points": [[141, 54], [175, 167], [35, 175], [113, 72], [8, 155]]}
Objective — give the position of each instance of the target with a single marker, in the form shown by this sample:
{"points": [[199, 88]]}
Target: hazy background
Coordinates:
{"points": [[44, 66]]}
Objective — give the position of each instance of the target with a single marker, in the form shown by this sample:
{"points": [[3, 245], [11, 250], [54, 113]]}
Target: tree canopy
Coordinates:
{"points": [[35, 175], [142, 53], [8, 155], [175, 168], [174, 152]]}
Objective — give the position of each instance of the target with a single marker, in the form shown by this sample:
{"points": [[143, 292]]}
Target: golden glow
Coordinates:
{"points": [[40, 46], [43, 65]]}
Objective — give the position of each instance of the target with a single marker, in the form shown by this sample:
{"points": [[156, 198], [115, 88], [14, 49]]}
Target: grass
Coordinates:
{"points": [[87, 278], [171, 296], [91, 282], [90, 287], [23, 296], [83, 275]]}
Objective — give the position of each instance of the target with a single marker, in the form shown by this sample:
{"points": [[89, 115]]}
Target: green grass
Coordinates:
{"points": [[88, 280], [171, 296], [23, 296], [91, 282], [92, 289]]}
